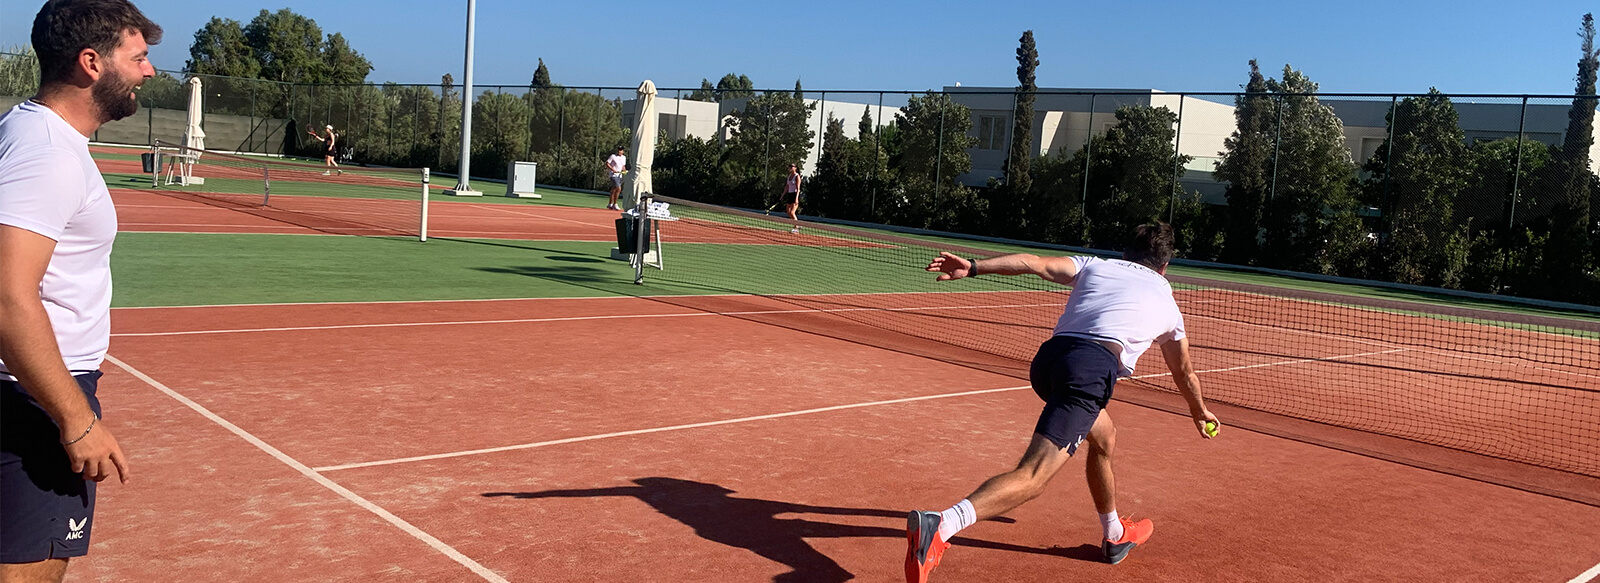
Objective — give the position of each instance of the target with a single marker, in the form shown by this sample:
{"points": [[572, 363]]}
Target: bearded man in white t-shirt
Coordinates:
{"points": [[57, 226], [1117, 309]]}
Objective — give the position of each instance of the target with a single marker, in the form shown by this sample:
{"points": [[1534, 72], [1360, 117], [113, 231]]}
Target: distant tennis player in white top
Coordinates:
{"points": [[617, 164], [1117, 309]]}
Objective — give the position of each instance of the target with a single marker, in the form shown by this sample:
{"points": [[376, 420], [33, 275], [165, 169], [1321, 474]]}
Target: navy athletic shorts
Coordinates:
{"points": [[45, 508], [1074, 376]]}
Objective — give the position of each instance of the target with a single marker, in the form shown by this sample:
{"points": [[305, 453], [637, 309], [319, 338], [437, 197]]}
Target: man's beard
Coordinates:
{"points": [[111, 97]]}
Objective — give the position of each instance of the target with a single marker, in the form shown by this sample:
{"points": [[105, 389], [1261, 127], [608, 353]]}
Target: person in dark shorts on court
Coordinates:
{"points": [[330, 149], [791, 196], [1116, 310], [57, 225]]}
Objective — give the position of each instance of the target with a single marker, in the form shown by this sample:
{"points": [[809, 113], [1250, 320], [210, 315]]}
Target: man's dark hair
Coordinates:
{"points": [[63, 28], [1151, 245]]}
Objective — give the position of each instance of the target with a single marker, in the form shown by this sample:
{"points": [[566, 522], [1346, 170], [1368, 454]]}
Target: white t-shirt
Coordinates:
{"points": [[50, 185], [617, 163], [1122, 302]]}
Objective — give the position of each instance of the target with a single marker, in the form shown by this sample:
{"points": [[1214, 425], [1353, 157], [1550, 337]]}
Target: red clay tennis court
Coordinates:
{"points": [[534, 440]]}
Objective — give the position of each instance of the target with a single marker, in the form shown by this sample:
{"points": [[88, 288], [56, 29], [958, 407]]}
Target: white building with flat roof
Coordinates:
{"points": [[1063, 120], [708, 120]]}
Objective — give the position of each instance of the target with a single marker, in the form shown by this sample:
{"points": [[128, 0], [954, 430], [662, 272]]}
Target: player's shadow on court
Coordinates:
{"points": [[753, 524]]}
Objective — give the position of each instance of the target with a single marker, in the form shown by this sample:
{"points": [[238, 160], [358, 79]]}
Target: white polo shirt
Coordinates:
{"points": [[50, 185], [617, 163], [1122, 302]]}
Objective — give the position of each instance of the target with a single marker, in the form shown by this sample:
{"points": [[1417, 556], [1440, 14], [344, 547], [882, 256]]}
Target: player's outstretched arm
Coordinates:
{"points": [[1057, 269], [1176, 353]]}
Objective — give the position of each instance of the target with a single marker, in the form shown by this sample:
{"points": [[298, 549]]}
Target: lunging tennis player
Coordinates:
{"points": [[1116, 310]]}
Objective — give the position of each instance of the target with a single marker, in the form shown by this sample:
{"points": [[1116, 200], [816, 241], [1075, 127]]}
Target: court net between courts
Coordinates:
{"points": [[1495, 380], [350, 200]]}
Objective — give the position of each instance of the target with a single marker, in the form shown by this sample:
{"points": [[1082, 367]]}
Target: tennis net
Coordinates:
{"points": [[1513, 386], [350, 200]]}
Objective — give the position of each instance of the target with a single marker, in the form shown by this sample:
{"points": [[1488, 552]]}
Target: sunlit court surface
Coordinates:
{"points": [[307, 392]]}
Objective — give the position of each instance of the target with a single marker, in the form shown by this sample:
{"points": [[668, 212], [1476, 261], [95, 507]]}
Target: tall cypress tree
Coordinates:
{"points": [[1022, 118], [541, 76], [1567, 254], [1246, 166]]}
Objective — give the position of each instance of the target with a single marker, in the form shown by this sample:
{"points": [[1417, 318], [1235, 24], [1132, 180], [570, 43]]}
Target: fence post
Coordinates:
{"points": [[1384, 212], [1516, 175], [1010, 136], [1088, 161], [1177, 163], [600, 98], [1277, 143], [766, 154], [877, 151], [822, 112]]}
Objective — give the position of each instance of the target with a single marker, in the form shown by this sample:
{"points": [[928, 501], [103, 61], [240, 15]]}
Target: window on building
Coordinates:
{"points": [[991, 132]]}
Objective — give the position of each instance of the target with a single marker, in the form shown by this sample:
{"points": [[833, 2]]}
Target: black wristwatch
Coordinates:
{"points": [[973, 270]]}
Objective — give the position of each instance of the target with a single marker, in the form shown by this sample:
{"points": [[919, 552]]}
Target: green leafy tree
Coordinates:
{"points": [[1424, 244], [342, 64], [847, 172], [287, 45], [798, 92], [19, 72], [930, 151], [733, 86], [770, 132], [500, 126], [1246, 165], [689, 168], [707, 92], [1309, 217], [1131, 178], [220, 48]]}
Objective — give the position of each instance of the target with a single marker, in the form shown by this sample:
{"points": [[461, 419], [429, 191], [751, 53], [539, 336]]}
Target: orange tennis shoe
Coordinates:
{"points": [[1133, 534], [923, 545]]}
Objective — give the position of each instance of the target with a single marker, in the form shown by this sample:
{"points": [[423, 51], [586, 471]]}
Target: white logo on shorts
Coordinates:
{"points": [[76, 528]]}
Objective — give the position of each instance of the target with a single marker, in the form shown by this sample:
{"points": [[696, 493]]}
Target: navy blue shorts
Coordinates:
{"points": [[45, 508], [1074, 376]]}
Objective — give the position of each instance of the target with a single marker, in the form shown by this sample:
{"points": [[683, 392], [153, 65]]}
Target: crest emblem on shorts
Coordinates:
{"points": [[75, 528]]}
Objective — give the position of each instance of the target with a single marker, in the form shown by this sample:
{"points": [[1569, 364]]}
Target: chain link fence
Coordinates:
{"points": [[1490, 193]]}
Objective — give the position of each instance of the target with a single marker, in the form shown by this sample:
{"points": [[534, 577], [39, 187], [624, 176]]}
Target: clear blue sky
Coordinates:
{"points": [[1476, 46]]}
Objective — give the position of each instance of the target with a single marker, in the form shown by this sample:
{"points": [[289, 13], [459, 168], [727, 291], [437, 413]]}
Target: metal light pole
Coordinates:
{"points": [[463, 184]]}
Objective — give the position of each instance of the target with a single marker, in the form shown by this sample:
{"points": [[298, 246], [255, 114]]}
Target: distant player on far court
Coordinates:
{"points": [[330, 149], [1116, 310], [791, 196], [616, 164]]}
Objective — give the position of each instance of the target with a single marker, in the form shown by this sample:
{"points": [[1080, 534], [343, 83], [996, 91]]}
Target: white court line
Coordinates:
{"points": [[657, 430], [1587, 576], [646, 297], [764, 417], [535, 216], [398, 522], [576, 318]]}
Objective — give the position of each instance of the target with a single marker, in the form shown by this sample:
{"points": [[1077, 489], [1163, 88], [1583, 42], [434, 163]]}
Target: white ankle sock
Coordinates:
{"points": [[956, 518], [1111, 526]]}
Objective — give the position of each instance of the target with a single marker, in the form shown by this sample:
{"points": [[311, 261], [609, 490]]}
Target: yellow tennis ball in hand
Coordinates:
{"points": [[1211, 429]]}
